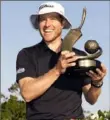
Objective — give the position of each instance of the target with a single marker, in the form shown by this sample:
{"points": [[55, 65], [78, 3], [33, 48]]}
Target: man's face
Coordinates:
{"points": [[50, 26]]}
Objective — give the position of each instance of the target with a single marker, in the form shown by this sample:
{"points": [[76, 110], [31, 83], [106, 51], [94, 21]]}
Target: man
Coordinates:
{"points": [[48, 84]]}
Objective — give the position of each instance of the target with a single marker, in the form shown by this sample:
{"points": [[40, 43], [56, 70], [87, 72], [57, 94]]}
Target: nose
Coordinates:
{"points": [[48, 22]]}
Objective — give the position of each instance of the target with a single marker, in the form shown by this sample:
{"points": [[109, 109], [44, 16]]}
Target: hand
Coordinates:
{"points": [[98, 77], [67, 59]]}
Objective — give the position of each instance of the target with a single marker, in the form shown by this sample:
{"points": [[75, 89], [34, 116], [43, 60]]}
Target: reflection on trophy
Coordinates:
{"points": [[92, 48]]}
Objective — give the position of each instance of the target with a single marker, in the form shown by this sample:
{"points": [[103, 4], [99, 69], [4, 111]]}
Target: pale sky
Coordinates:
{"points": [[17, 33]]}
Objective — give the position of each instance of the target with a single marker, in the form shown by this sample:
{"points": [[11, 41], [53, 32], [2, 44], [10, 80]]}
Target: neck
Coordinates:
{"points": [[55, 45]]}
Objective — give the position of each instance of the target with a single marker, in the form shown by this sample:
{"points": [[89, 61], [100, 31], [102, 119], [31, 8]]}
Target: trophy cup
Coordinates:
{"points": [[92, 48]]}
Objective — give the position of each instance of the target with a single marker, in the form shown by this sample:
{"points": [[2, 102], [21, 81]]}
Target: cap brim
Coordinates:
{"points": [[34, 21]]}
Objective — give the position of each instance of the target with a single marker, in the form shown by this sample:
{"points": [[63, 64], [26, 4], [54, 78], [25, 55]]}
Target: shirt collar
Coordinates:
{"points": [[45, 47]]}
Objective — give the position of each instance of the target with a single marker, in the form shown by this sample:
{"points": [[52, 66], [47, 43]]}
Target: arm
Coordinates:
{"points": [[32, 88], [91, 92]]}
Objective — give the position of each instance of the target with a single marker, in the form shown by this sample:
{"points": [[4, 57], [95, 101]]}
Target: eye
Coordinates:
{"points": [[42, 19], [53, 18]]}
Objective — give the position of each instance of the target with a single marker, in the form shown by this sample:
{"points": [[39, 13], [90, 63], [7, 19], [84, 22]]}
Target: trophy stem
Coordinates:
{"points": [[83, 18]]}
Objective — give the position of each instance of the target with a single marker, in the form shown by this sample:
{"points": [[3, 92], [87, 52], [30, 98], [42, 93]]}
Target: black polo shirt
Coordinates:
{"points": [[63, 99]]}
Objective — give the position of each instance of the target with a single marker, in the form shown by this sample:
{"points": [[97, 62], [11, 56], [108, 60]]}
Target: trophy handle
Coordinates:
{"points": [[73, 35], [83, 18], [92, 56]]}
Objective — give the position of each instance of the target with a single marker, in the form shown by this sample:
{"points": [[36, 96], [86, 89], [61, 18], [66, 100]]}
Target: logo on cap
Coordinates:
{"points": [[20, 70], [46, 5]]}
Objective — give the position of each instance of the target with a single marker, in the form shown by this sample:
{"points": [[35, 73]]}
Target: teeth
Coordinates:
{"points": [[48, 30]]}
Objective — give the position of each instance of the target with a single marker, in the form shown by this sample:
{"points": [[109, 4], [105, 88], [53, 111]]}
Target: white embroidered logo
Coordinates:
{"points": [[20, 70]]}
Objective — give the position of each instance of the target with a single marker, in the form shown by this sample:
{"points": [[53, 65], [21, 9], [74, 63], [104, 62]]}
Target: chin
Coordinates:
{"points": [[48, 39]]}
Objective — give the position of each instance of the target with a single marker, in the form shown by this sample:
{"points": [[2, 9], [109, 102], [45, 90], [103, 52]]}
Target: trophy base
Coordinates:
{"points": [[84, 65]]}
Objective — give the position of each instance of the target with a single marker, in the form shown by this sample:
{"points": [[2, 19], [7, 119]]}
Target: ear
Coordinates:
{"points": [[63, 22]]}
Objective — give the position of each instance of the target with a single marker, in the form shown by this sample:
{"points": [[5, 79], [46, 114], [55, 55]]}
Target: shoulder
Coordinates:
{"points": [[29, 50]]}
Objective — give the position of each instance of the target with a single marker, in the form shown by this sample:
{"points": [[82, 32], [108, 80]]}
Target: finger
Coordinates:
{"points": [[95, 76], [63, 70], [74, 58], [103, 68], [89, 74], [64, 52], [99, 72], [92, 74], [69, 55], [71, 64]]}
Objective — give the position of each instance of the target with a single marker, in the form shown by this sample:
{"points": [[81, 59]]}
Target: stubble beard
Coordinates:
{"points": [[55, 37]]}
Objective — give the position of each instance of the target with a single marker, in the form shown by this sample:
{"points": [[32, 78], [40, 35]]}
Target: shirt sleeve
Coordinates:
{"points": [[86, 80], [24, 65]]}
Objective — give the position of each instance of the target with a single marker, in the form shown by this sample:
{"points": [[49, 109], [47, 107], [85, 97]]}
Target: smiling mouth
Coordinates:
{"points": [[48, 31]]}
